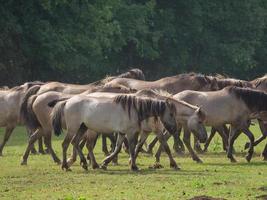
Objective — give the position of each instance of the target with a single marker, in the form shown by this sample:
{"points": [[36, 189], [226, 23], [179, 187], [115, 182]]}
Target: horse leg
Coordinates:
{"points": [[187, 142], [157, 165], [165, 145], [108, 159], [47, 138], [113, 138], [251, 147], [178, 144], [72, 159], [104, 145], [234, 133], [90, 146], [8, 132], [212, 134], [264, 153], [151, 145], [65, 145], [264, 135], [33, 150], [126, 146], [197, 146], [140, 143], [132, 140], [40, 146], [37, 134], [76, 143]]}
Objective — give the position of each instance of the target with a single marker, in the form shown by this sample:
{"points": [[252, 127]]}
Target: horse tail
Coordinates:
{"points": [[24, 105], [54, 102], [31, 120], [56, 117]]}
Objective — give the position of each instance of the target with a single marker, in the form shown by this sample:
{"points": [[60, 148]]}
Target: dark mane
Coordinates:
{"points": [[255, 100], [144, 107], [222, 83]]}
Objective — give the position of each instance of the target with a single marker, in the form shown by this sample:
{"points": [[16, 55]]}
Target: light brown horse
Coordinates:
{"points": [[122, 114], [38, 116], [10, 102], [173, 84], [232, 105]]}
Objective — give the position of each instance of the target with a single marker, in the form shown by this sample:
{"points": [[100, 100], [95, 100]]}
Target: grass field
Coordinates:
{"points": [[216, 177]]}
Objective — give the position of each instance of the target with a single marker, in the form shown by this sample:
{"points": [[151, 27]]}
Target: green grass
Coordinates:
{"points": [[216, 177]]}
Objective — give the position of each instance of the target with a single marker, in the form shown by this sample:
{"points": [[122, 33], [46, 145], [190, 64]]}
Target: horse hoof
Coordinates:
{"points": [[247, 145], [233, 160], [84, 166], [104, 167], [265, 159], [134, 168], [24, 162], [95, 166], [248, 158], [175, 166], [65, 167], [198, 160], [157, 166], [42, 152]]}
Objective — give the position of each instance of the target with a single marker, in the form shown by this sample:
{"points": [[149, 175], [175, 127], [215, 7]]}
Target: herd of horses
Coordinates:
{"points": [[126, 109]]}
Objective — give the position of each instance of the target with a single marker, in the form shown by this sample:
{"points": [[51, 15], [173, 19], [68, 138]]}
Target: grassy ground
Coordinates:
{"points": [[216, 177]]}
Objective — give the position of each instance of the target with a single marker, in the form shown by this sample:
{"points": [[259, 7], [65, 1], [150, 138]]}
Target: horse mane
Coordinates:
{"points": [[222, 83], [144, 107], [255, 100]]}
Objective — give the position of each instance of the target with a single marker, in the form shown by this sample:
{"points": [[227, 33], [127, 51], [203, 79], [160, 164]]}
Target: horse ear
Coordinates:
{"points": [[201, 114]]}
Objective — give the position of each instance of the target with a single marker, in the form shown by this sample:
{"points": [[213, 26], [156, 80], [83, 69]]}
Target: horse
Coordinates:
{"points": [[261, 85], [231, 105], [173, 84], [77, 89], [10, 103], [38, 116], [223, 131], [122, 114], [186, 113], [217, 84]]}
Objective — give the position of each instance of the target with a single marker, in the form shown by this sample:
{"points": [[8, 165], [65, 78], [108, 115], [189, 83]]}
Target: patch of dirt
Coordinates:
{"points": [[206, 198], [262, 197]]}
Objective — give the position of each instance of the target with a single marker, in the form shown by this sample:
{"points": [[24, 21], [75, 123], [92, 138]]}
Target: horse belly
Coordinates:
{"points": [[108, 120]]}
